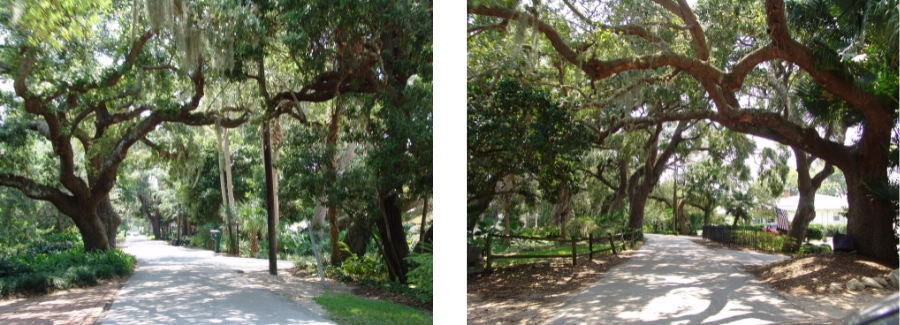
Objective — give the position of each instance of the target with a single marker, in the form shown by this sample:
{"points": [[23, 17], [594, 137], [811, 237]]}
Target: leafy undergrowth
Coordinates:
{"points": [[812, 274], [352, 310], [34, 272]]}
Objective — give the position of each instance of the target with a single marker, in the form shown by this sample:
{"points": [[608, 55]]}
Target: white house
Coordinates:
{"points": [[828, 209]]}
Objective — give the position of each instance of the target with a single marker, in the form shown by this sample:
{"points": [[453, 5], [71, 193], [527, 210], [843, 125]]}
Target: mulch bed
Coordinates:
{"points": [[809, 274], [812, 274]]}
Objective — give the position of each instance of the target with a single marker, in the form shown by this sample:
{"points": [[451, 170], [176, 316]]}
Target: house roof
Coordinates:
{"points": [[823, 202]]}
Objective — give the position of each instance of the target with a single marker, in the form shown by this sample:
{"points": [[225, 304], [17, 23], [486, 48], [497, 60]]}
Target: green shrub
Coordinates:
{"points": [[814, 232], [201, 238], [581, 227], [758, 239], [546, 231], [422, 276], [368, 270], [831, 229], [41, 273], [813, 249]]}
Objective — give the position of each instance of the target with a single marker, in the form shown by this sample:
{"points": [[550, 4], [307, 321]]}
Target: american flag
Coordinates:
{"points": [[782, 220]]}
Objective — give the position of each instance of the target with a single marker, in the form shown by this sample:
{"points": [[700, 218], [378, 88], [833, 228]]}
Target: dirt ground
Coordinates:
{"points": [[530, 293], [81, 306], [804, 281]]}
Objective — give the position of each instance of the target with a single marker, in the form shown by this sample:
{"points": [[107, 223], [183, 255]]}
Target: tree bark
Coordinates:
{"points": [[271, 209], [331, 142], [561, 210], [424, 215], [870, 217], [93, 232], [652, 170], [806, 205], [154, 220], [110, 219], [390, 230], [508, 184]]}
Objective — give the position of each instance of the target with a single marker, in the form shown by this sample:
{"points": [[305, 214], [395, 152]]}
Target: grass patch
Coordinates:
{"points": [[352, 310]]}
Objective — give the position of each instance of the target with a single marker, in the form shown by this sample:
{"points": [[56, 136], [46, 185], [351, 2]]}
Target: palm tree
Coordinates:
{"points": [[252, 218]]}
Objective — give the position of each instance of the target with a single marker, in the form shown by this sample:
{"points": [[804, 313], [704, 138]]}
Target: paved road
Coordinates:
{"points": [[176, 285], [672, 280]]}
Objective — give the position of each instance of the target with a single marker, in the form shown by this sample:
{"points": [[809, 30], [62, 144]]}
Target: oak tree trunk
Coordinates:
{"points": [[870, 218], [93, 231], [110, 219], [806, 205]]}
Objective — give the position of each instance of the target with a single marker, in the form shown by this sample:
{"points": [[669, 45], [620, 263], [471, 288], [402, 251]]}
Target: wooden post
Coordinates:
{"points": [[574, 251], [612, 244], [622, 235], [590, 247], [489, 251]]}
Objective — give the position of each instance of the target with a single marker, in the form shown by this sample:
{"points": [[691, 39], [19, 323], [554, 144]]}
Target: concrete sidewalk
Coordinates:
{"points": [[671, 280], [176, 285]]}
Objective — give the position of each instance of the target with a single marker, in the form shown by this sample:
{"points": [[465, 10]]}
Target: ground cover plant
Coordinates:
{"points": [[352, 310], [44, 266]]}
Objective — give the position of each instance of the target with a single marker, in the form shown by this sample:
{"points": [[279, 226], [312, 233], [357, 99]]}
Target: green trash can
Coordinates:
{"points": [[217, 236]]}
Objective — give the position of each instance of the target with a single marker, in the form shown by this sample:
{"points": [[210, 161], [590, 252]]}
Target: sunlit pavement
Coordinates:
{"points": [[176, 285], [672, 280]]}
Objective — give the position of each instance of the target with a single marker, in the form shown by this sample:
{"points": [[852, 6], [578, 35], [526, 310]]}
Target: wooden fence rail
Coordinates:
{"points": [[612, 238]]}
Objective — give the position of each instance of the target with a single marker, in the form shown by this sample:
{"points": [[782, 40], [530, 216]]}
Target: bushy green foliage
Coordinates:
{"points": [[582, 227], [545, 231], [367, 270], [830, 230], [43, 272], [814, 232], [807, 249], [422, 276], [757, 239], [294, 243]]}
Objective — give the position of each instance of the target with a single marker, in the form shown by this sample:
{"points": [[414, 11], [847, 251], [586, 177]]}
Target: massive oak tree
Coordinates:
{"points": [[722, 58]]}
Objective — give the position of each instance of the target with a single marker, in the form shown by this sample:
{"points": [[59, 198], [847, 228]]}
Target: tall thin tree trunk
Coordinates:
{"points": [[424, 213], [331, 142], [271, 209], [561, 210], [508, 184]]}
